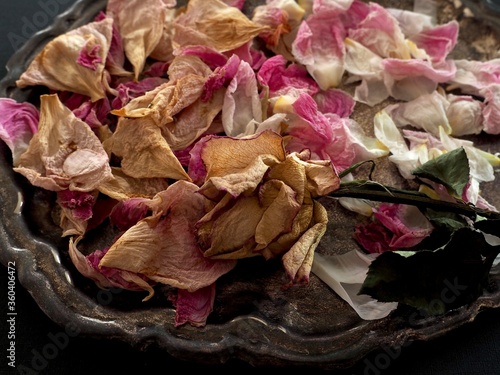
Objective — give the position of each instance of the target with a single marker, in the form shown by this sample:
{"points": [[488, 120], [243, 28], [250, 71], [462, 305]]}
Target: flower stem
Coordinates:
{"points": [[373, 191]]}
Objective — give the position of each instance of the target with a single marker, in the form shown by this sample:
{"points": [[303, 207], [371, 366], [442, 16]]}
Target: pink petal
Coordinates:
{"points": [[194, 307], [18, 124]]}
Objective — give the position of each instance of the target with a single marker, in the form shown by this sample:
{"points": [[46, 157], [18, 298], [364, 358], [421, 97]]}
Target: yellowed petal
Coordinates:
{"points": [[317, 177], [227, 232], [298, 260], [141, 24], [164, 49], [56, 66], [283, 243], [144, 151], [193, 122], [86, 269], [167, 104], [238, 165], [281, 208], [215, 24], [188, 75], [141, 106], [65, 153], [292, 173], [70, 225], [123, 187]]}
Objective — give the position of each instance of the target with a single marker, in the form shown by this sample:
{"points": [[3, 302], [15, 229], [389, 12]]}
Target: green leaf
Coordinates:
{"points": [[445, 220], [433, 281], [450, 169]]}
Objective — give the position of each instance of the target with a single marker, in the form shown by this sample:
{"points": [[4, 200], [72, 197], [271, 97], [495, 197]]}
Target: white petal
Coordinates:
{"points": [[345, 274]]}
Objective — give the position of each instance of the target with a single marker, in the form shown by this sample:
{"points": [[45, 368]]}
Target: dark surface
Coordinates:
{"points": [[471, 349]]}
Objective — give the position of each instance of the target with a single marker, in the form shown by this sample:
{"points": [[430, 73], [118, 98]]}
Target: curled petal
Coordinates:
{"points": [[65, 153], [140, 23], [18, 124], [163, 247], [299, 259], [236, 165], [215, 24], [144, 151], [61, 71], [107, 277]]}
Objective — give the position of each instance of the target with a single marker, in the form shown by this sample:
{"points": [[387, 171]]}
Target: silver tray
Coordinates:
{"points": [[254, 319]]}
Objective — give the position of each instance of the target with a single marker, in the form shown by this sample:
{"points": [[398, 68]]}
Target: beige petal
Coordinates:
{"points": [[292, 173], [85, 268], [163, 246], [123, 187], [65, 153], [70, 225], [185, 65], [215, 24], [316, 176], [164, 49], [186, 91], [141, 24], [298, 260], [238, 165], [141, 106], [283, 243], [193, 122], [188, 75], [56, 66], [227, 232], [144, 151], [281, 208]]}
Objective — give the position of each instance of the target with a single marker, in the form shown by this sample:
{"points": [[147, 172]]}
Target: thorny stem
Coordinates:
{"points": [[373, 191]]}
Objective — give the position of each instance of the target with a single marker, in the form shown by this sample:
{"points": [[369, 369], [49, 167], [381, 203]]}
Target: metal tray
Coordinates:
{"points": [[254, 319]]}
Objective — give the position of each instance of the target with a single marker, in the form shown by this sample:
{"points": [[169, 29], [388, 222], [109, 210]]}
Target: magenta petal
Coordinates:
{"points": [[80, 203], [127, 213], [194, 307], [18, 124], [89, 57]]}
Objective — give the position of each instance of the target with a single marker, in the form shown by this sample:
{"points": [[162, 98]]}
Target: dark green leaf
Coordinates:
{"points": [[491, 226], [433, 281], [445, 220], [450, 169]]}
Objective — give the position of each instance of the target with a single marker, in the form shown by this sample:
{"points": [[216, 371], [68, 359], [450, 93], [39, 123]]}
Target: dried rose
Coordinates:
{"points": [[263, 200]]}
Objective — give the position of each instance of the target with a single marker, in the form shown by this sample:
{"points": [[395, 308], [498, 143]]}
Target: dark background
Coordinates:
{"points": [[471, 349]]}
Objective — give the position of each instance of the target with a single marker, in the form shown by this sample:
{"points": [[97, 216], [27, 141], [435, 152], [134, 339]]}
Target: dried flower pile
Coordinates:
{"points": [[205, 136]]}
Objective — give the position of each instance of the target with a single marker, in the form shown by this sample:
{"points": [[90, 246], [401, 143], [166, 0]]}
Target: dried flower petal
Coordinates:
{"points": [[215, 24], [65, 153], [18, 124], [61, 71], [107, 277], [163, 247], [140, 23], [143, 150]]}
